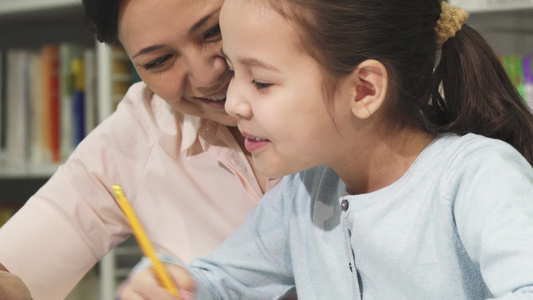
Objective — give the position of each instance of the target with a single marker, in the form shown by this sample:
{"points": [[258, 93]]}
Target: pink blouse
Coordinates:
{"points": [[186, 177]]}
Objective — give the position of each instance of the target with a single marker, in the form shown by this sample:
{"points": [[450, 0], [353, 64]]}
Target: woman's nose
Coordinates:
{"points": [[205, 69]]}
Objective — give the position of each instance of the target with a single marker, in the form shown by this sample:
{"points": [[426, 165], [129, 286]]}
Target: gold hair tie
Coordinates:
{"points": [[451, 20]]}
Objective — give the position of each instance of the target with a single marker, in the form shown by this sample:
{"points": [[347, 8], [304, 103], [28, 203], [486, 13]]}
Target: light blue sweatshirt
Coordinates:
{"points": [[457, 225]]}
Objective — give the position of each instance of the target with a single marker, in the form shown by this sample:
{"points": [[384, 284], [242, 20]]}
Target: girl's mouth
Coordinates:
{"points": [[254, 143]]}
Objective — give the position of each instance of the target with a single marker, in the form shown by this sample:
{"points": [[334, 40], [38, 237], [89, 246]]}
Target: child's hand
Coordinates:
{"points": [[145, 285], [12, 287]]}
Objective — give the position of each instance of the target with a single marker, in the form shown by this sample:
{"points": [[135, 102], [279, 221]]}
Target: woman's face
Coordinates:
{"points": [[175, 48]]}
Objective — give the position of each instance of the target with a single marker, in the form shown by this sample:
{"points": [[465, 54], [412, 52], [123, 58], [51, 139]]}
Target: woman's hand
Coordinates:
{"points": [[12, 287], [144, 284]]}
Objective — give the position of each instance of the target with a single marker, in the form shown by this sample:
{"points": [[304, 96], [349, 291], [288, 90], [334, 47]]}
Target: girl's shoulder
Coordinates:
{"points": [[478, 160], [473, 148]]}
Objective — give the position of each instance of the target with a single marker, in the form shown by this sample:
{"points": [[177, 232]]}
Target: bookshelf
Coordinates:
{"points": [[29, 25]]}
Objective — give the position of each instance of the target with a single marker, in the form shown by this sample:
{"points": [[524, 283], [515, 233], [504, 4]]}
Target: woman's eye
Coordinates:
{"points": [[213, 34], [157, 63], [261, 85]]}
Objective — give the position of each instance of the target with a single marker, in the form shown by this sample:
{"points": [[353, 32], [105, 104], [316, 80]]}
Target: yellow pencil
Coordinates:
{"points": [[143, 240]]}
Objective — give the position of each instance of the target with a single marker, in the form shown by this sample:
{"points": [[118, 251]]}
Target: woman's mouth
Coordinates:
{"points": [[216, 101]]}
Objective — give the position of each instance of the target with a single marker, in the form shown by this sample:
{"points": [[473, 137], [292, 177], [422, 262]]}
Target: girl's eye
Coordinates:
{"points": [[213, 34], [260, 85], [157, 63]]}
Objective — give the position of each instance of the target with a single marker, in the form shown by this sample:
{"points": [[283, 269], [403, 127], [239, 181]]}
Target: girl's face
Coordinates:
{"points": [[175, 47], [277, 92]]}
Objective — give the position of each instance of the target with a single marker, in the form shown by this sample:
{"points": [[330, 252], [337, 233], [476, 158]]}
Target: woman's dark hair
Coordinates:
{"points": [[469, 90], [102, 19]]}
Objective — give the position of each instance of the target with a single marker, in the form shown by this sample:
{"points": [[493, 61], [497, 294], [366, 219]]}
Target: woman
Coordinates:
{"points": [[170, 144]]}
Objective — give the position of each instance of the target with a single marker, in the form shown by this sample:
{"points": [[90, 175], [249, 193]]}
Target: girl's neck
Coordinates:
{"points": [[383, 162]]}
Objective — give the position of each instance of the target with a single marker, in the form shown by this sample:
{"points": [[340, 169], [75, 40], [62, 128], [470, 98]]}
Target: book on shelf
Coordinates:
{"points": [[520, 69], [528, 79], [2, 104], [17, 108], [39, 152], [123, 74], [69, 54], [51, 98], [78, 99], [89, 57]]}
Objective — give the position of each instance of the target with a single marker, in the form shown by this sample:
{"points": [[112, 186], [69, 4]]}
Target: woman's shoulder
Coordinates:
{"points": [[146, 107], [141, 116]]}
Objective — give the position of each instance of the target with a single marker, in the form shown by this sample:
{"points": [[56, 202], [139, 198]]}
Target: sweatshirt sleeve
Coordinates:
{"points": [[494, 218], [254, 262]]}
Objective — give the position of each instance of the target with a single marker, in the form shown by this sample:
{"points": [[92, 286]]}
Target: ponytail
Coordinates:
{"points": [[473, 93], [468, 91]]}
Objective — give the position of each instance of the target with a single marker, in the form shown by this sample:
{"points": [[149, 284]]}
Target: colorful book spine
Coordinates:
{"points": [[514, 68], [51, 81], [78, 100], [528, 80]]}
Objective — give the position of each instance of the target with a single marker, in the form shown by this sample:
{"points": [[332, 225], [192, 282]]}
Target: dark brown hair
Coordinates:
{"points": [[102, 19], [469, 90]]}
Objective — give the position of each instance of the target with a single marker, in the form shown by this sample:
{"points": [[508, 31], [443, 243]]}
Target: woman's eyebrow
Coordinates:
{"points": [[201, 22], [194, 27], [147, 50]]}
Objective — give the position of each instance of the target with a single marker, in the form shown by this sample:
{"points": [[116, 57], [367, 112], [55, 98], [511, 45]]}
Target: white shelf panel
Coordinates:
{"points": [[27, 171], [21, 6], [475, 6]]}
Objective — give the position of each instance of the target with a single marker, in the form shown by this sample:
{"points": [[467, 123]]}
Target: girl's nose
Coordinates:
{"points": [[236, 103]]}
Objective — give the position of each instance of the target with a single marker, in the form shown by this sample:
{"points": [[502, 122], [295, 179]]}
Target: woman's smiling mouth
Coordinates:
{"points": [[217, 101]]}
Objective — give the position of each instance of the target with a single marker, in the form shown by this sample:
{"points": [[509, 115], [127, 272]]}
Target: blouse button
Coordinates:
{"points": [[344, 205]]}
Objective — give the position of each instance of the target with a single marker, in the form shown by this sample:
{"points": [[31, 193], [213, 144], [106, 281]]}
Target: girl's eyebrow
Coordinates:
{"points": [[253, 62]]}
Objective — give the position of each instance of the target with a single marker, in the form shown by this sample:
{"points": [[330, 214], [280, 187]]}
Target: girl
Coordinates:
{"points": [[416, 152], [170, 144]]}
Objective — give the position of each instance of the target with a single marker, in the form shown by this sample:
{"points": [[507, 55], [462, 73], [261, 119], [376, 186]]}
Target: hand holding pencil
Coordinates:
{"points": [[145, 244]]}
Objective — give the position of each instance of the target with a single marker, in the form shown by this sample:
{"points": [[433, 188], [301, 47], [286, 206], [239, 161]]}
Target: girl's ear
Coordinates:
{"points": [[369, 88]]}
